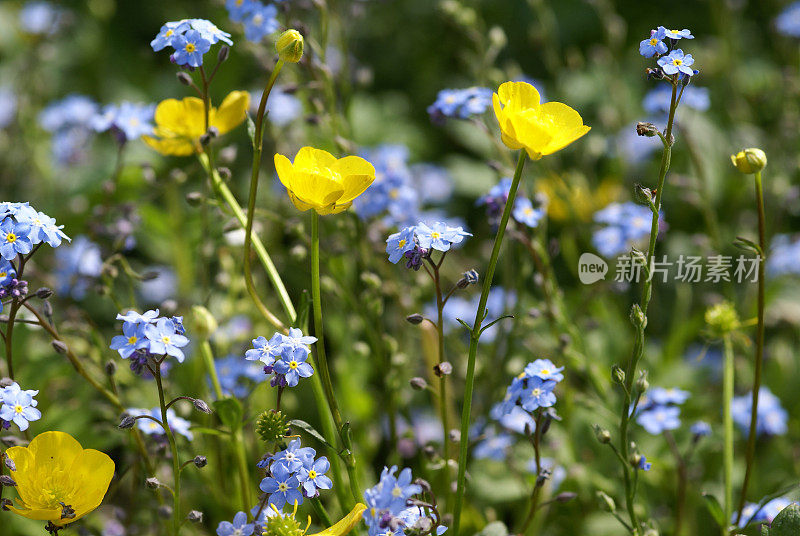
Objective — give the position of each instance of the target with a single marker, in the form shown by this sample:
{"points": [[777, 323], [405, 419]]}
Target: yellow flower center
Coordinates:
{"points": [[3, 275], [18, 409], [536, 391], [397, 491], [283, 487], [190, 47], [677, 62], [133, 121], [654, 41], [258, 19], [400, 245], [132, 339], [293, 364], [168, 33], [312, 474], [435, 235], [544, 371], [521, 375], [165, 339], [528, 211], [11, 237], [394, 193]]}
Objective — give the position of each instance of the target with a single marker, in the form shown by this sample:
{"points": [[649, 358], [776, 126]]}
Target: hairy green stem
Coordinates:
{"points": [[727, 425], [751, 438], [473, 344], [641, 323], [176, 464], [251, 201], [322, 362], [224, 193], [444, 410]]}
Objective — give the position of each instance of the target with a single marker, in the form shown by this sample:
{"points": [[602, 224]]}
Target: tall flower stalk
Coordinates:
{"points": [[752, 161], [536, 130]]}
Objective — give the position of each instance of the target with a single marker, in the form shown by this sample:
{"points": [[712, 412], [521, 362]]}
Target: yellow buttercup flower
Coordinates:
{"points": [[286, 525], [57, 479], [540, 129], [319, 180], [180, 123]]}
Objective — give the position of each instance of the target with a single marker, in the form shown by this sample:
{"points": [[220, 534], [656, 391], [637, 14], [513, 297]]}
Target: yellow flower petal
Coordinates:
{"points": [[357, 175], [53, 470], [517, 96], [309, 157], [316, 189], [346, 524], [181, 117], [170, 146], [231, 112], [284, 168], [540, 129]]}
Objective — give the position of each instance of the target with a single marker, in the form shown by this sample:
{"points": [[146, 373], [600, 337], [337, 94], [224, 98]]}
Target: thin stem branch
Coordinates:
{"points": [[751, 438], [473, 344]]}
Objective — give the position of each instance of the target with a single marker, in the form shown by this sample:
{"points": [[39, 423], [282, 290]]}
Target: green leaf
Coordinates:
{"points": [[208, 431], [230, 413], [787, 523], [495, 528], [307, 428], [715, 509], [747, 245]]}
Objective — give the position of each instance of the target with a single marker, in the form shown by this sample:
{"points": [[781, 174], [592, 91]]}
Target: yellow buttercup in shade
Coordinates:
{"points": [[58, 480], [286, 524], [318, 180], [525, 123], [180, 123]]}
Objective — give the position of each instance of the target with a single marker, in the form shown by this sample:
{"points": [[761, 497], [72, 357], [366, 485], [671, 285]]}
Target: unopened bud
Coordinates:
{"points": [[222, 55], [184, 78], [646, 129], [750, 160], [443, 369], [643, 195], [642, 384], [418, 383], [566, 496], [195, 516], [152, 483], [111, 368], [290, 46], [617, 374], [194, 198], [59, 347], [200, 405], [638, 319], [165, 511], [200, 461], [603, 435], [415, 318], [6, 480], [44, 293], [127, 422], [605, 502], [203, 323]]}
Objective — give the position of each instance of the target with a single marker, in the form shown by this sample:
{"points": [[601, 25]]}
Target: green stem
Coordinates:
{"points": [[444, 410], [647, 292], [176, 464], [322, 361], [535, 494], [727, 423], [473, 344], [211, 368], [751, 438], [251, 201], [237, 440], [319, 509], [223, 192]]}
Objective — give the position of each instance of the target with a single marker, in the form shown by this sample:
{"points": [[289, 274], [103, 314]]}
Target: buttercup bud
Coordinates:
{"points": [[722, 319], [203, 322], [290, 46], [750, 160]]}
